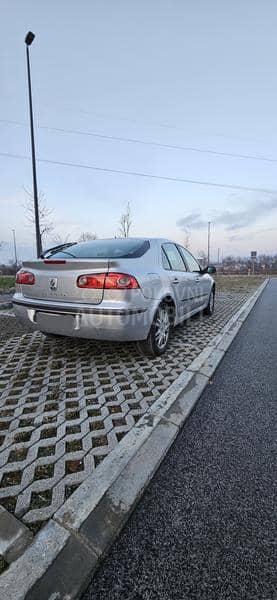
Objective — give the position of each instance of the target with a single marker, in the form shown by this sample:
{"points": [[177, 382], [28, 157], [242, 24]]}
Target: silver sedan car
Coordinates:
{"points": [[114, 289]]}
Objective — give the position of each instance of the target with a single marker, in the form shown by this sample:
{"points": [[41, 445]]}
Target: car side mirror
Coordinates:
{"points": [[211, 269]]}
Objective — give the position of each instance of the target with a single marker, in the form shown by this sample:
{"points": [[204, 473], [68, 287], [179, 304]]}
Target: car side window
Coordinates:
{"points": [[174, 257], [191, 262], [165, 261]]}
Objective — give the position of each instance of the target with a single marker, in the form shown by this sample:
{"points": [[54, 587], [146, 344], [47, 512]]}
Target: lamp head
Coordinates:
{"points": [[29, 38]]}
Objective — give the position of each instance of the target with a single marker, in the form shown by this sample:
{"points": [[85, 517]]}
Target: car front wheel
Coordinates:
{"points": [[158, 338]]}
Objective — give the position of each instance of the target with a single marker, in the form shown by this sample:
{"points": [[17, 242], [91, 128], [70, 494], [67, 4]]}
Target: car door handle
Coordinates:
{"points": [[197, 278], [176, 280]]}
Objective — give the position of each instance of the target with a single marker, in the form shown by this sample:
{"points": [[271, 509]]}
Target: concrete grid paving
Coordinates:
{"points": [[66, 403]]}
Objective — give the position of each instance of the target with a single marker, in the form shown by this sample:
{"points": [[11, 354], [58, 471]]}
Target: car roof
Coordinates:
{"points": [[142, 239], [155, 239]]}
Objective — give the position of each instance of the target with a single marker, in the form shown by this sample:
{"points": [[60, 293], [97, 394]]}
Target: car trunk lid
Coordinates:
{"points": [[57, 280]]}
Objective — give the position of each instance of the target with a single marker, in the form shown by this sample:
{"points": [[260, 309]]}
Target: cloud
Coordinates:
{"points": [[231, 220], [240, 238], [192, 221], [253, 234]]}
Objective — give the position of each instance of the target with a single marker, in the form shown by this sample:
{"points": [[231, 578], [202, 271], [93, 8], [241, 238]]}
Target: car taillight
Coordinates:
{"points": [[120, 281], [108, 281], [25, 277], [94, 282]]}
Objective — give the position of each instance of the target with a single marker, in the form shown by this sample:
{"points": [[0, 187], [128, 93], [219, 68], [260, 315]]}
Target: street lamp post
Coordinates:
{"points": [[28, 41], [14, 246], [209, 241]]}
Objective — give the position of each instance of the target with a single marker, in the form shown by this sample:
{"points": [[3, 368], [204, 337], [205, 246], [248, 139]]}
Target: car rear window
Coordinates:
{"points": [[115, 248]]}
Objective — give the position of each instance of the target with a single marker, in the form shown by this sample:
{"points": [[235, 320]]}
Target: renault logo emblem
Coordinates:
{"points": [[53, 283]]}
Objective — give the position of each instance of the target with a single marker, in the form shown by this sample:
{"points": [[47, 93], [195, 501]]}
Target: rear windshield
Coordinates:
{"points": [[115, 248]]}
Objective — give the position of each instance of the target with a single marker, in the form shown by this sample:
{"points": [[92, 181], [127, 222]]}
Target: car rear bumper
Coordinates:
{"points": [[93, 322]]}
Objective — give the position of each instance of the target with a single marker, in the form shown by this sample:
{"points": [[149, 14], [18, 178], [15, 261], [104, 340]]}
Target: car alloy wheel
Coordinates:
{"points": [[162, 327], [159, 334]]}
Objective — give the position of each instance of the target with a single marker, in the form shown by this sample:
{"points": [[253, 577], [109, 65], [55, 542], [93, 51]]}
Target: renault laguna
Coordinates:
{"points": [[127, 289]]}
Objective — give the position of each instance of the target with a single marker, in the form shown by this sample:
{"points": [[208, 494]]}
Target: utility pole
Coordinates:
{"points": [[209, 241], [28, 41], [14, 246], [218, 255]]}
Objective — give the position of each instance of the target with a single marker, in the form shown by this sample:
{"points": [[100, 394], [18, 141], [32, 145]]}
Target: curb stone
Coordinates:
{"points": [[54, 566], [14, 536], [61, 560]]}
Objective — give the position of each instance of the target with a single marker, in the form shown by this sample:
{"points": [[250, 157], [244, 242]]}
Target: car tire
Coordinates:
{"points": [[209, 310], [159, 334]]}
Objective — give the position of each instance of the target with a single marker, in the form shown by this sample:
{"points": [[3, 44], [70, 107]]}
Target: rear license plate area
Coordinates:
{"points": [[55, 323]]}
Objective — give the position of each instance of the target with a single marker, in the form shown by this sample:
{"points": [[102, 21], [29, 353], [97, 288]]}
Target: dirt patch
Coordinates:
{"points": [[70, 416], [3, 564], [99, 441], [9, 503], [46, 451], [18, 454], [11, 478], [25, 436], [94, 412], [73, 446], [44, 471], [36, 527], [95, 425], [120, 435], [48, 433], [72, 429], [114, 409], [99, 459], [41, 499], [69, 490], [74, 466]]}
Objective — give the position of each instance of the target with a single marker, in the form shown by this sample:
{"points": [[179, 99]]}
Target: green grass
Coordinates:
{"points": [[7, 282], [238, 283]]}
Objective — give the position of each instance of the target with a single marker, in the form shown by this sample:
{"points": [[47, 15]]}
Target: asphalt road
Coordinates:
{"points": [[205, 528]]}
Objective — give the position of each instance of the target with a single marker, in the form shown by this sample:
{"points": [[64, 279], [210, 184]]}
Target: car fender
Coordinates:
{"points": [[166, 297]]}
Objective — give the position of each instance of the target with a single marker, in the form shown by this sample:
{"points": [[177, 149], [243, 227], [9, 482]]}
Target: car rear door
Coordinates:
{"points": [[201, 281], [182, 282]]}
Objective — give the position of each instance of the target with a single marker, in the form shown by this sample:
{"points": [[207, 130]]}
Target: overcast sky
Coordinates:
{"points": [[173, 72]]}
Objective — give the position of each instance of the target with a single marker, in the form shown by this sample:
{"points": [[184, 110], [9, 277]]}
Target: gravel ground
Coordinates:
{"points": [[206, 526]]}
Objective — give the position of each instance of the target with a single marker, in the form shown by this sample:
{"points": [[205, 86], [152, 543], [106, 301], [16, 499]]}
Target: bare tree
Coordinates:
{"points": [[125, 222], [57, 238], [46, 226], [86, 236]]}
